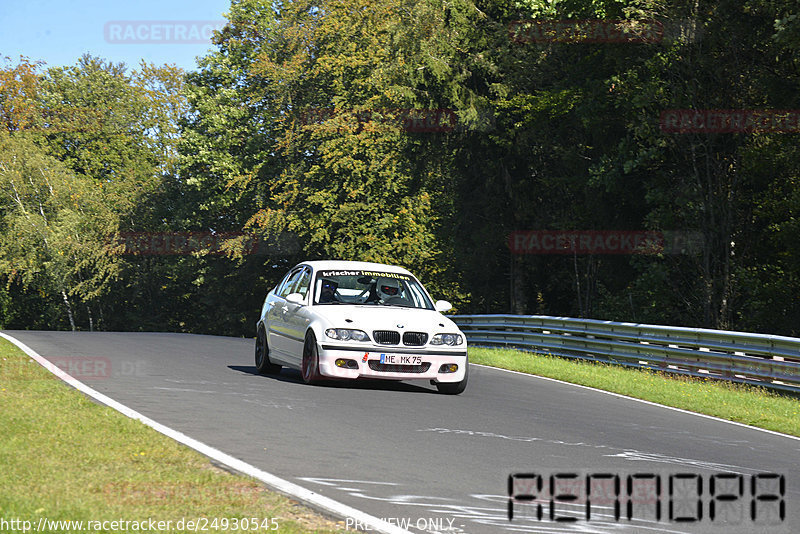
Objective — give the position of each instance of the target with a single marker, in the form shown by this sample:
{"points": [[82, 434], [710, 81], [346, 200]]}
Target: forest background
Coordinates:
{"points": [[429, 134]]}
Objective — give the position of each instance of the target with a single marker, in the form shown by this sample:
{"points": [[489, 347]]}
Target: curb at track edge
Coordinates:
{"points": [[312, 499]]}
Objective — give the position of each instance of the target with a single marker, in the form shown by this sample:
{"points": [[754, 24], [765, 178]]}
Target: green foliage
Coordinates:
{"points": [[82, 149], [292, 129], [55, 225]]}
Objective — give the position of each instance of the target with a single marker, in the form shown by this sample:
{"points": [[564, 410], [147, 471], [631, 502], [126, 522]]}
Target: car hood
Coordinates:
{"points": [[378, 317]]}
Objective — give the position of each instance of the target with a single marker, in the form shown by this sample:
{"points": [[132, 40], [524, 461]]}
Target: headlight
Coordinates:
{"points": [[346, 334], [447, 339]]}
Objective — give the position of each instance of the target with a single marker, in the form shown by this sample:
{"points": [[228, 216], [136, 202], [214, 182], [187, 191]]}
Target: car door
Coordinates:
{"points": [[278, 329], [297, 317]]}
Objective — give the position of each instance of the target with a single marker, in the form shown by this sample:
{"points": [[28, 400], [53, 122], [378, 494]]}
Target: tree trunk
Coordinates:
{"points": [[69, 310]]}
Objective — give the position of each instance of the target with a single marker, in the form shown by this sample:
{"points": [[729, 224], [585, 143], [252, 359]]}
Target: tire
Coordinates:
{"points": [[310, 366], [454, 388], [263, 363]]}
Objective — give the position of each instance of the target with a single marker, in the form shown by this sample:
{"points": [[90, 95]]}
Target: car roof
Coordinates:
{"points": [[344, 265]]}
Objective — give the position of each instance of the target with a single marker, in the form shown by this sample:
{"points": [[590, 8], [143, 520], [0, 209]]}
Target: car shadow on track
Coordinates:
{"points": [[291, 375]]}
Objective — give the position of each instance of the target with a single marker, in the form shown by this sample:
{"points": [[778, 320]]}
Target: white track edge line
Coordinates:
{"points": [[651, 403], [304, 495]]}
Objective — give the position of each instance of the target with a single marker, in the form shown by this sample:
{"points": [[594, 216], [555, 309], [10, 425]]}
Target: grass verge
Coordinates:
{"points": [[66, 458], [726, 400]]}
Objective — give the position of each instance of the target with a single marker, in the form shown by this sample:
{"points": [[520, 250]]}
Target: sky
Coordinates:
{"points": [[59, 32]]}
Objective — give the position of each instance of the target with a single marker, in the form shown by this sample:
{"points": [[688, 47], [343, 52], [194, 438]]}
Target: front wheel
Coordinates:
{"points": [[263, 364], [310, 366], [455, 388]]}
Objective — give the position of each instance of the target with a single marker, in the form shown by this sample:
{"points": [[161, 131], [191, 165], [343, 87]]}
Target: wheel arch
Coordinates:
{"points": [[317, 327]]}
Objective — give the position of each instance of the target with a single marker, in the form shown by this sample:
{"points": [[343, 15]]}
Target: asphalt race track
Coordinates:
{"points": [[436, 463]]}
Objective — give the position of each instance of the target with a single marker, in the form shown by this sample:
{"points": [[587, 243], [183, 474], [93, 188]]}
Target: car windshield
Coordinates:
{"points": [[369, 288]]}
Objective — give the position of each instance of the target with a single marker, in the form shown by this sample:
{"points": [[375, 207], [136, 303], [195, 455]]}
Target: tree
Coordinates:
{"points": [[85, 148], [55, 226]]}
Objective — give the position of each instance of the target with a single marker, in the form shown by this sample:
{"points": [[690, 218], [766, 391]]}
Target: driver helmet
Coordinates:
{"points": [[388, 287], [328, 289]]}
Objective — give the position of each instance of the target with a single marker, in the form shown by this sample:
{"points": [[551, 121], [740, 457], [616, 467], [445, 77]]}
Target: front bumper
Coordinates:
{"points": [[401, 364]]}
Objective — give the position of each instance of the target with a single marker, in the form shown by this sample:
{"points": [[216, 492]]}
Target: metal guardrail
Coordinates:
{"points": [[758, 359]]}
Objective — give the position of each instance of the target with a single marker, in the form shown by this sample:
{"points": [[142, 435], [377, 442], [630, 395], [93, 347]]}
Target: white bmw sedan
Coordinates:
{"points": [[349, 319]]}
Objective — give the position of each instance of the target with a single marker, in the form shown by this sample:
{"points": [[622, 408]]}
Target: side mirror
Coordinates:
{"points": [[442, 306], [295, 298]]}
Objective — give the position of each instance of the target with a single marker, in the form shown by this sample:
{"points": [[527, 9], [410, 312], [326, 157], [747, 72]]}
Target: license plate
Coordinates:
{"points": [[401, 359]]}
